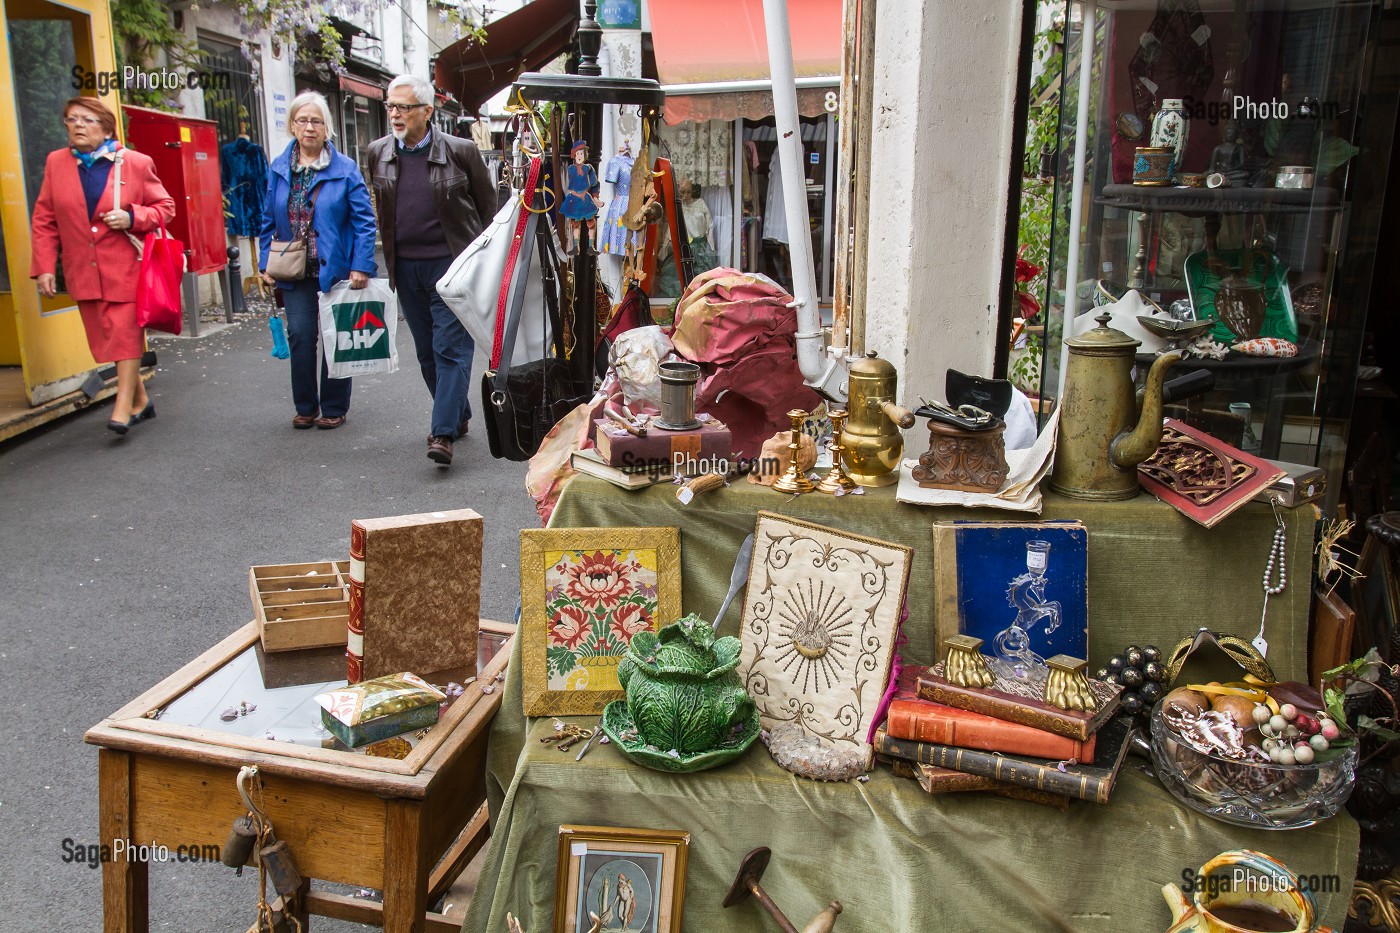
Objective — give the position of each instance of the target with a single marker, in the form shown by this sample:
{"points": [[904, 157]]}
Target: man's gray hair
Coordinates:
{"points": [[422, 90], [310, 99]]}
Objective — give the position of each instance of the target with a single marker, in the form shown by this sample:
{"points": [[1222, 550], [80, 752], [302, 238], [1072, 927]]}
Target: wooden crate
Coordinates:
{"points": [[301, 605]]}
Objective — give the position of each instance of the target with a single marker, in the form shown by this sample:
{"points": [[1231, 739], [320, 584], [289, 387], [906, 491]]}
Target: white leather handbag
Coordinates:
{"points": [[471, 287]]}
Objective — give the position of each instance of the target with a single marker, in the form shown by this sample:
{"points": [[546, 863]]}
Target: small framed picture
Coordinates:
{"points": [[584, 592], [614, 880]]}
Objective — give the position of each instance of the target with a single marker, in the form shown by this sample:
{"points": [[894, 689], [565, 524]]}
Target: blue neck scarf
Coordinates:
{"points": [[104, 151]]}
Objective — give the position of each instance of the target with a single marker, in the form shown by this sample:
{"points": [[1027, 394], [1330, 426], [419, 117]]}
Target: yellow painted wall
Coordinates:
{"points": [[47, 335]]}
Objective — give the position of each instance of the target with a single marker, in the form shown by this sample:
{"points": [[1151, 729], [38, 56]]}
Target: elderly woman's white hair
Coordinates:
{"points": [[310, 99], [422, 91]]}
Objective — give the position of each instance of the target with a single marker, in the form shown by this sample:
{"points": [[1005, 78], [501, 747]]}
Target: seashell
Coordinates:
{"points": [[1266, 346]]}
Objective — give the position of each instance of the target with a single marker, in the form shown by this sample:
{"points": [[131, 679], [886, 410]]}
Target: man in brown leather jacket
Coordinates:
{"points": [[432, 195]]}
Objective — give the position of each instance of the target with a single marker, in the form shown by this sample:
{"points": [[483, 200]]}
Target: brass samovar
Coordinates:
{"points": [[871, 437]]}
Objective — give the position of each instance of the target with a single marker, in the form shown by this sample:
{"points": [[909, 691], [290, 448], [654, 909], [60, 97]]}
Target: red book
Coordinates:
{"points": [[1202, 477], [917, 720]]}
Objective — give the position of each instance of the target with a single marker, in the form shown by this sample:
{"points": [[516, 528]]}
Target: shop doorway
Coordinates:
{"points": [[47, 54]]}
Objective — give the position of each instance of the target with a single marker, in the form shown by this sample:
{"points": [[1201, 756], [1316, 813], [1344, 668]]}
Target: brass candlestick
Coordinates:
{"points": [[836, 481], [794, 481]]}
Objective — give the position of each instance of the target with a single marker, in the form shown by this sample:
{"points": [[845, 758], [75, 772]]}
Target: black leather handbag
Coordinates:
{"points": [[523, 402]]}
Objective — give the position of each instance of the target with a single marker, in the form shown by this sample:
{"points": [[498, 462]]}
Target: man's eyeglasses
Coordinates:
{"points": [[402, 108], [81, 121], [309, 121]]}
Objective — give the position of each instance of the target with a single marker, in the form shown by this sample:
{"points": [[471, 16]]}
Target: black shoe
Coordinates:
{"points": [[145, 414], [119, 427]]}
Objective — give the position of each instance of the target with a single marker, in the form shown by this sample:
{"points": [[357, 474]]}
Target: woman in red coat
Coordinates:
{"points": [[77, 216]]}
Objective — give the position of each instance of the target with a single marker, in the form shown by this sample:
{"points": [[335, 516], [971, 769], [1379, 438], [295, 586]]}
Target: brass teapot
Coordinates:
{"points": [[871, 437], [1102, 435]]}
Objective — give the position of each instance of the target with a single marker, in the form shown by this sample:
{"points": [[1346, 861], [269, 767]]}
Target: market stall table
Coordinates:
{"points": [[894, 856], [405, 827]]}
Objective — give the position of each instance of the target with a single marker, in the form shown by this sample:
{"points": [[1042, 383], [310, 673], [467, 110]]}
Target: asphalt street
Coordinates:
{"points": [[125, 558]]}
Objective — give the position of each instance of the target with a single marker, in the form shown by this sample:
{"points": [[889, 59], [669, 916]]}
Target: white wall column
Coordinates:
{"points": [[944, 90]]}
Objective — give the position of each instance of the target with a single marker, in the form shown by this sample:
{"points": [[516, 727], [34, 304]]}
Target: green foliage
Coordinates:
{"points": [[142, 29], [558, 661]]}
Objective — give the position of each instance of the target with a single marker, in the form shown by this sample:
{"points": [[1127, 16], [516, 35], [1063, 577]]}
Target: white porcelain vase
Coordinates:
{"points": [[1170, 127]]}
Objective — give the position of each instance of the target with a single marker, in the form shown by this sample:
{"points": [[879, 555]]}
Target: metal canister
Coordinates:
{"points": [[678, 381]]}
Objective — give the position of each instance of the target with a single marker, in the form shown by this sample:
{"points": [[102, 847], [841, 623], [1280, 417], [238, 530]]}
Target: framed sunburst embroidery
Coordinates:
{"points": [[820, 619], [584, 592]]}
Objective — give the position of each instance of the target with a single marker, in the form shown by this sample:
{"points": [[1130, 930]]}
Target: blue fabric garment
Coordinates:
{"points": [[580, 184], [444, 347], [612, 238], [94, 181], [344, 221], [243, 177]]}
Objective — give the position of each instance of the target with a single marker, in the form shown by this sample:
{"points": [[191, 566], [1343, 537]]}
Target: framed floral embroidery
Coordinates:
{"points": [[584, 593]]}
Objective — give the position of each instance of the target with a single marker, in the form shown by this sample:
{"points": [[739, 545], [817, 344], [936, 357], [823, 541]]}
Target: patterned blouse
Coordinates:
{"points": [[299, 206]]}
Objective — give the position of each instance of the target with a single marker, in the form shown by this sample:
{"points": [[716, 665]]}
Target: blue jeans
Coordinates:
{"points": [[303, 308], [443, 345]]}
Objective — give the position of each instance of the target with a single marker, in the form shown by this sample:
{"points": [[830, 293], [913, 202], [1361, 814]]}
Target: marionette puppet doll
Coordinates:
{"points": [[581, 201]]}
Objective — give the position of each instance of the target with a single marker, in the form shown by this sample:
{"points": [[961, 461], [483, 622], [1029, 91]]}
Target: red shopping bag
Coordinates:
{"points": [[158, 304]]}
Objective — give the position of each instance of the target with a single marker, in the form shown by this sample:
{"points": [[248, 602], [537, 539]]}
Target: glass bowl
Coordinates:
{"points": [[1261, 795]]}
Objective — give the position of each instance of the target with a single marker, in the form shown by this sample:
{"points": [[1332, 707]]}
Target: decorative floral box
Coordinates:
{"points": [[378, 709]]}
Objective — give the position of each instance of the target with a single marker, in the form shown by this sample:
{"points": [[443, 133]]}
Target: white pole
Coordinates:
{"points": [[736, 228], [824, 375], [1076, 204]]}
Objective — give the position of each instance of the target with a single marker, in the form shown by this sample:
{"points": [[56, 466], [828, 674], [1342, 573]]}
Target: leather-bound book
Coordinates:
{"points": [[1092, 781], [923, 721], [659, 449], [936, 781], [1020, 702]]}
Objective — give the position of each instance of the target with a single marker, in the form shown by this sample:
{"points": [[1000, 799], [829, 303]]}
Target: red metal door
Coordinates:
{"points": [[204, 202]]}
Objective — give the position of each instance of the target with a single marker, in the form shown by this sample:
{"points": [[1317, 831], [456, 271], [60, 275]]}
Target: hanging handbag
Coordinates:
{"points": [[523, 402], [159, 304], [286, 259], [471, 286]]}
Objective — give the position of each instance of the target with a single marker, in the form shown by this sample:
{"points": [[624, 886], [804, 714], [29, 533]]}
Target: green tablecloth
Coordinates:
{"points": [[894, 857]]}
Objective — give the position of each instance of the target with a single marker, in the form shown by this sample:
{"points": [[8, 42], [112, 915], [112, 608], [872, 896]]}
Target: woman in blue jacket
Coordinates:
{"points": [[312, 185]]}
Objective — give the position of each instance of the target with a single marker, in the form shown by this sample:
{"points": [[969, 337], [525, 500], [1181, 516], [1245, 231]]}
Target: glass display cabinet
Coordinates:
{"points": [[1276, 126]]}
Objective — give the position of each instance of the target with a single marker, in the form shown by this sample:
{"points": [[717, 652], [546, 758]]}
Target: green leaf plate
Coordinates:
{"points": [[622, 732]]}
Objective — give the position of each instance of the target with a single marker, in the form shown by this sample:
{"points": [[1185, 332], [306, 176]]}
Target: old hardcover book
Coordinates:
{"points": [[711, 441], [925, 721], [1202, 477], [1092, 781], [415, 594], [1021, 587], [929, 777], [636, 477], [1020, 701]]}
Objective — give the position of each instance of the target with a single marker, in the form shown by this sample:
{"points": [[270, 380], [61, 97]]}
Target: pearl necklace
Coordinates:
{"points": [[1278, 553]]}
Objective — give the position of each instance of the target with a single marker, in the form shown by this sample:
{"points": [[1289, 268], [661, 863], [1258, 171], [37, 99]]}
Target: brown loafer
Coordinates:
{"points": [[440, 450], [302, 422], [328, 423]]}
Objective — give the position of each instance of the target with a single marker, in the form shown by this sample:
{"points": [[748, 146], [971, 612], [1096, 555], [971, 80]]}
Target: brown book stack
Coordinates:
{"points": [[956, 740]]}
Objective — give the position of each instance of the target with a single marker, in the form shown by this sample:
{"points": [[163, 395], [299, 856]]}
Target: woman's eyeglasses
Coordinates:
{"points": [[402, 108], [309, 121], [81, 121]]}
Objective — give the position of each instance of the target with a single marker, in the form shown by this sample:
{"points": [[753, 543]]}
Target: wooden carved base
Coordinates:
{"points": [[1375, 905], [969, 461]]}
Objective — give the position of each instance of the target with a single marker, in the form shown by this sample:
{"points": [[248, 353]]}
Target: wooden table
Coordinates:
{"points": [[405, 827]]}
